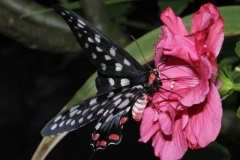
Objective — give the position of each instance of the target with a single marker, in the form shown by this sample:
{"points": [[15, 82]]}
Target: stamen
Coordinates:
{"points": [[172, 85]]}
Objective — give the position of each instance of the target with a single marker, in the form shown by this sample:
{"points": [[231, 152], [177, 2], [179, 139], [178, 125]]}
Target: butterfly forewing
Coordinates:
{"points": [[109, 58]]}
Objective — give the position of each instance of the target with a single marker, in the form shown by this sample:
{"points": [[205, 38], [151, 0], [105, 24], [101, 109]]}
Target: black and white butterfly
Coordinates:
{"points": [[122, 84]]}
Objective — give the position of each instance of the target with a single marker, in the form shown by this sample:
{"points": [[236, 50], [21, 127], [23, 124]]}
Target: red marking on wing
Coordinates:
{"points": [[97, 144], [123, 120], [95, 137], [114, 137], [102, 143]]}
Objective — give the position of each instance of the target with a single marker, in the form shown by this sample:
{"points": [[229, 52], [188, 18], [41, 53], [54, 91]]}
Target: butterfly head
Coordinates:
{"points": [[154, 77]]}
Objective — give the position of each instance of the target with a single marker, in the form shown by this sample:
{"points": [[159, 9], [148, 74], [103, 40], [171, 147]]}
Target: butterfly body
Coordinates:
{"points": [[122, 84]]}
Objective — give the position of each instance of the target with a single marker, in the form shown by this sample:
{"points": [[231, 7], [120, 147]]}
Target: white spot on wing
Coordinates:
{"points": [[90, 39], [61, 124], [85, 111], [63, 13], [73, 108], [98, 125], [138, 87], [110, 94], [54, 126], [109, 117], [79, 25], [103, 66], [118, 67], [124, 103], [79, 112], [111, 81], [89, 117], [97, 38], [99, 49], [94, 107], [67, 12], [115, 98], [68, 121], [93, 101], [113, 51], [125, 82], [104, 114], [128, 95], [73, 113], [94, 56], [80, 120], [80, 21], [100, 111], [79, 35], [111, 110], [73, 122], [107, 57], [58, 118], [86, 45], [104, 103], [127, 109], [117, 102], [126, 62]]}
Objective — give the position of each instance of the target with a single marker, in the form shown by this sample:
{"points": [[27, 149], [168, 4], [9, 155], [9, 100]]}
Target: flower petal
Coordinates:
{"points": [[204, 120], [170, 147], [215, 37], [208, 16], [148, 126], [198, 93], [178, 46], [202, 18], [174, 23]]}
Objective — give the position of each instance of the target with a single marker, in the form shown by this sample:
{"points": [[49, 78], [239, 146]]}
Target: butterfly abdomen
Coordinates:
{"points": [[139, 107]]}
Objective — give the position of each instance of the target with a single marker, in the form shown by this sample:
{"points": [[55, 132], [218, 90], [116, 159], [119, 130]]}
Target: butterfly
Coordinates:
{"points": [[122, 85]]}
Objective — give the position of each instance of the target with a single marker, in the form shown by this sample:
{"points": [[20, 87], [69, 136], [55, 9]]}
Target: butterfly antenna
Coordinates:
{"points": [[141, 51]]}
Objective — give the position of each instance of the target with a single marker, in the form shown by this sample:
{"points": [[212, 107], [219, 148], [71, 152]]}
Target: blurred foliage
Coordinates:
{"points": [[213, 151], [177, 5], [237, 48], [238, 112]]}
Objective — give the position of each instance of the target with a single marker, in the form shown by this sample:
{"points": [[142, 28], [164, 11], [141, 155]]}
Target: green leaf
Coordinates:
{"points": [[237, 48], [238, 112], [213, 151], [227, 83]]}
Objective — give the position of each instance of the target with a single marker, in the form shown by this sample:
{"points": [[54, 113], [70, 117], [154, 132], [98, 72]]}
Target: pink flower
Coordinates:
{"points": [[186, 110]]}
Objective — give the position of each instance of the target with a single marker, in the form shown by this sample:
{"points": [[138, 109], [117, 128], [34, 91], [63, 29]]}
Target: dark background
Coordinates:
{"points": [[35, 85]]}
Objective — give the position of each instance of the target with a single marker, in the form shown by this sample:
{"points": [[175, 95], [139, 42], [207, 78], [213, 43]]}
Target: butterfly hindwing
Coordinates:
{"points": [[108, 57], [108, 130]]}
